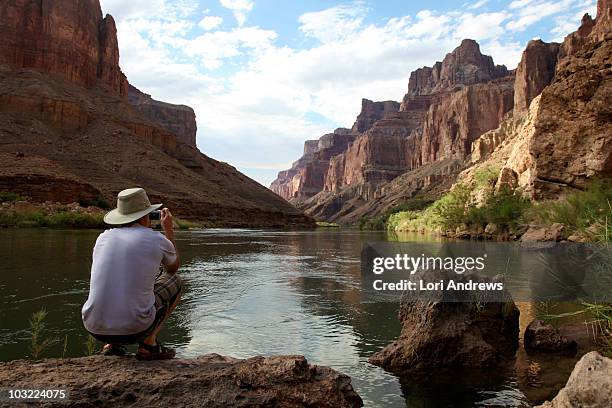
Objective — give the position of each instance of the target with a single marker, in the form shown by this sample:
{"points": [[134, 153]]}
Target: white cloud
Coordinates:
{"points": [[240, 9], [210, 22], [333, 24], [569, 22], [478, 4], [531, 13], [253, 95]]}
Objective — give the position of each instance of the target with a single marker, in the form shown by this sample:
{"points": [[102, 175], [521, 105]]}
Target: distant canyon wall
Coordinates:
{"points": [[458, 112]]}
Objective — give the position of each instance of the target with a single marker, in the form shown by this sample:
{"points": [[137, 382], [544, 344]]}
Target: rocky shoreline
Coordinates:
{"points": [[210, 380]]}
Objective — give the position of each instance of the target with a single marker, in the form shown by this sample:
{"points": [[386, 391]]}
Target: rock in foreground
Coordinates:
{"points": [[589, 385], [444, 334], [206, 381]]}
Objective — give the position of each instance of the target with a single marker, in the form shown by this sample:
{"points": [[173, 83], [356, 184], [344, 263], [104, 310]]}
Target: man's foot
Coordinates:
{"points": [[155, 352], [114, 350]]}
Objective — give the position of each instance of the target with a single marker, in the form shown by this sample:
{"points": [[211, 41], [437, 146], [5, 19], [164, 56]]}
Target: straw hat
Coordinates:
{"points": [[132, 204]]}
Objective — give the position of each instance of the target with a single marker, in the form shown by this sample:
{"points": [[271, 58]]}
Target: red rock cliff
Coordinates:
{"points": [[307, 175], [179, 120], [62, 37], [435, 122], [372, 112], [534, 72]]}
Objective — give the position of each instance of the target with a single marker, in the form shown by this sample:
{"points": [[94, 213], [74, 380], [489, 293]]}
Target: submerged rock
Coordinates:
{"points": [[207, 381], [589, 385], [541, 336]]}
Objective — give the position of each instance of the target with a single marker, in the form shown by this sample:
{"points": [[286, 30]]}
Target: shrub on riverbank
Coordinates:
{"points": [[324, 224], [9, 197], [380, 222], [588, 212], [59, 219]]}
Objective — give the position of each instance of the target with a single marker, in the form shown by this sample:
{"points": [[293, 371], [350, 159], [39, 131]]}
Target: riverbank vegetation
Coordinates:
{"points": [[325, 224], [21, 212], [481, 207]]}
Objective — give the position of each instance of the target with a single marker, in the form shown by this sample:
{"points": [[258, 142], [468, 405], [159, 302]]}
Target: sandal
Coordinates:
{"points": [[156, 352], [114, 350]]}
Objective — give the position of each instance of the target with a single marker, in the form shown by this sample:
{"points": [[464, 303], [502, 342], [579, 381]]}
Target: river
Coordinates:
{"points": [[248, 293]]}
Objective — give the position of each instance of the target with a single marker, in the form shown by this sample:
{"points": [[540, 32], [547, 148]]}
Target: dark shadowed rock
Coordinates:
{"points": [[540, 336], [177, 119], [535, 71], [446, 334], [372, 112], [207, 381], [589, 385]]}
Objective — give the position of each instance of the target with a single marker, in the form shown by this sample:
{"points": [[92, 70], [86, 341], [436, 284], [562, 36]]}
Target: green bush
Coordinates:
{"points": [[55, 220], [581, 210], [381, 222], [9, 197]]}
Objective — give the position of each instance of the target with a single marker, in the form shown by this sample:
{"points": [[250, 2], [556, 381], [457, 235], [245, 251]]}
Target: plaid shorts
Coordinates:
{"points": [[167, 288]]}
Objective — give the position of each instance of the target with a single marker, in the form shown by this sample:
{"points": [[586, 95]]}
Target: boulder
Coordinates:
{"points": [[543, 337], [449, 334], [551, 233], [589, 385], [207, 381]]}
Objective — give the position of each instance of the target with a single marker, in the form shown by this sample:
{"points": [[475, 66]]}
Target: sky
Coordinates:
{"points": [[263, 76]]}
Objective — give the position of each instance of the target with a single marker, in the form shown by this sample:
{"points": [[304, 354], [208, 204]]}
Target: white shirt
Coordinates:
{"points": [[125, 265]]}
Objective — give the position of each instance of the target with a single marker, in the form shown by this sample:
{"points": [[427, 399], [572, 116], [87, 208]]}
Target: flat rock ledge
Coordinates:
{"points": [[210, 380]]}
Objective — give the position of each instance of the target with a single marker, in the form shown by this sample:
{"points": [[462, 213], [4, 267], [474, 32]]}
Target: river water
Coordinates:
{"points": [[252, 293]]}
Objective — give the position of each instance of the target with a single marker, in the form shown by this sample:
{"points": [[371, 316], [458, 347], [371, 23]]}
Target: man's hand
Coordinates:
{"points": [[168, 227], [167, 220]]}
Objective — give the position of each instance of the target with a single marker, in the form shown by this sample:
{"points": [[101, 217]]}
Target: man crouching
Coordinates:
{"points": [[129, 299]]}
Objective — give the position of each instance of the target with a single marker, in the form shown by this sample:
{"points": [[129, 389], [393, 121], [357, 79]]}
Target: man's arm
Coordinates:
{"points": [[168, 227]]}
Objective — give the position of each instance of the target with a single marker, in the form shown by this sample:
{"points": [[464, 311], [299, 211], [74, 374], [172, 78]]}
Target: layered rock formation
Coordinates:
{"points": [[547, 126], [179, 120], [207, 381], [307, 175], [65, 38], [446, 108], [569, 139], [65, 120], [372, 112], [534, 72]]}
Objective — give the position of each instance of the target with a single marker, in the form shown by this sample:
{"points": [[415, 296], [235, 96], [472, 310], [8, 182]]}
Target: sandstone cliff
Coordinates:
{"points": [[547, 125], [69, 132], [566, 138], [307, 175], [446, 108], [179, 120], [66, 38]]}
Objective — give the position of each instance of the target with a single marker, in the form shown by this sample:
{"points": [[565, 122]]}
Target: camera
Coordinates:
{"points": [[155, 215]]}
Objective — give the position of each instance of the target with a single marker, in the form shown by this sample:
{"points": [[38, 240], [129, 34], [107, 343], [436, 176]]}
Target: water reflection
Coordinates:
{"points": [[248, 292]]}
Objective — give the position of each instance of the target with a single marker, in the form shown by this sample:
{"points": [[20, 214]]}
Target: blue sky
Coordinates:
{"points": [[264, 75]]}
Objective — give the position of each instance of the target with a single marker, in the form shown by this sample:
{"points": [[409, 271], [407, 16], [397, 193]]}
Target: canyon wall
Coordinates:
{"points": [[547, 125], [69, 131], [179, 120], [446, 108], [67, 38], [306, 177], [570, 140]]}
